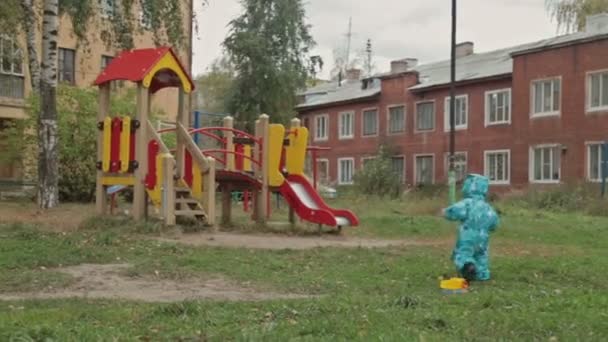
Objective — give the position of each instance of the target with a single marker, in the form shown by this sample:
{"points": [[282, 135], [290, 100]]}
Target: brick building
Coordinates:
{"points": [[529, 114]]}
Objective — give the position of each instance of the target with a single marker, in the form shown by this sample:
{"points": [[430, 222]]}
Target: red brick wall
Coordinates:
{"points": [[573, 127]]}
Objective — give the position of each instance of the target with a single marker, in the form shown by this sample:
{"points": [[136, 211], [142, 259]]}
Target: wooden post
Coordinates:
{"points": [[141, 152], [169, 190], [180, 152], [262, 202], [104, 108], [226, 205], [229, 135], [209, 189]]}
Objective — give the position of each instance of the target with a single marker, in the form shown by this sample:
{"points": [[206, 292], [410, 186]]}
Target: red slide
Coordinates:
{"points": [[304, 199]]}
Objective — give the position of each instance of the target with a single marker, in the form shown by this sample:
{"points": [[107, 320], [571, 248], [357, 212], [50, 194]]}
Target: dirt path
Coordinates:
{"points": [[269, 241], [109, 282]]}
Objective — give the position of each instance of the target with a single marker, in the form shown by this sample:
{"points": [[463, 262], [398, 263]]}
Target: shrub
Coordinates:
{"points": [[77, 134], [378, 176]]}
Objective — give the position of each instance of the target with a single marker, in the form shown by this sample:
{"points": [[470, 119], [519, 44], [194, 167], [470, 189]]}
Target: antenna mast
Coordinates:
{"points": [[349, 37]]}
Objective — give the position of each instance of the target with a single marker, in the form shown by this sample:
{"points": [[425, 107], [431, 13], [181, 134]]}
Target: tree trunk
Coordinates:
{"points": [[48, 191], [30, 27]]}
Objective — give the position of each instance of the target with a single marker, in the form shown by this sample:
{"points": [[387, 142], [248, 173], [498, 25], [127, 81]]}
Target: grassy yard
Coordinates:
{"points": [[549, 282]]}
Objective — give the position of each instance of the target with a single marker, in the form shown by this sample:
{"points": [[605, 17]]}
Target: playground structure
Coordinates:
{"points": [[183, 181]]}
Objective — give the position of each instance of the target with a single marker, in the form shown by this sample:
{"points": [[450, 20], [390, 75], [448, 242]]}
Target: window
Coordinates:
{"points": [[546, 95], [398, 167], [425, 165], [145, 15], [66, 65], [105, 60], [396, 119], [366, 160], [594, 161], [107, 8], [370, 122], [461, 112], [323, 171], [545, 164], [425, 116], [346, 125], [321, 124], [597, 91], [345, 170], [460, 165], [498, 107], [11, 69], [497, 166]]}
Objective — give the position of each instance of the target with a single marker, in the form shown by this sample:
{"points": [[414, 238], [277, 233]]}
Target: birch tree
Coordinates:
{"points": [[571, 15], [48, 191]]}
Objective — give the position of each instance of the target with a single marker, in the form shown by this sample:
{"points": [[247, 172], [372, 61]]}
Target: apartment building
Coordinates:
{"points": [[530, 114], [79, 64]]}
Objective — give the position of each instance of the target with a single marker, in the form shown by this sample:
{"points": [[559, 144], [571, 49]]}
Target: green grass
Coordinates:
{"points": [[549, 280]]}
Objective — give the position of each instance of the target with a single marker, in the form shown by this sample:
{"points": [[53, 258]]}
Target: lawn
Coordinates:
{"points": [[549, 282]]}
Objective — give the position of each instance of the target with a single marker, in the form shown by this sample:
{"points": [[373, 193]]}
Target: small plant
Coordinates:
{"points": [[378, 177]]}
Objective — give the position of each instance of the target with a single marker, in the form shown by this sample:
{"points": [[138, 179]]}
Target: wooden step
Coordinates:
{"points": [[186, 200], [179, 190], [189, 213]]}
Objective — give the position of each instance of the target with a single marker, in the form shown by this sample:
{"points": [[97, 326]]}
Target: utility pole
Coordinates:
{"points": [[349, 37], [452, 172]]}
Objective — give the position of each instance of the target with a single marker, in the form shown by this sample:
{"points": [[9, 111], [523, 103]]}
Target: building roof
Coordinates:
{"points": [[155, 68], [349, 91], [477, 66]]}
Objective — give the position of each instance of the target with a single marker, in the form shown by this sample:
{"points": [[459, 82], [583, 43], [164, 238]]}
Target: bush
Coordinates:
{"points": [[569, 197], [378, 176], [77, 134]]}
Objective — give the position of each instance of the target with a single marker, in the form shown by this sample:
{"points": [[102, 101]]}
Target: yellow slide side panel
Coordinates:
{"points": [[247, 162], [125, 142], [197, 182], [276, 134], [295, 155], [107, 144]]}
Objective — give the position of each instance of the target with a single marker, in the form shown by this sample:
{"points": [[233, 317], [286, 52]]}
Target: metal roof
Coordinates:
{"points": [[476, 66], [349, 91]]}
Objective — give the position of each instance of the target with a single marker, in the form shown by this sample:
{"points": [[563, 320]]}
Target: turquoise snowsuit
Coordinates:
{"points": [[477, 219]]}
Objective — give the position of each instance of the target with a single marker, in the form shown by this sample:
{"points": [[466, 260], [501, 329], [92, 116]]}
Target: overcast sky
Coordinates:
{"points": [[398, 28]]}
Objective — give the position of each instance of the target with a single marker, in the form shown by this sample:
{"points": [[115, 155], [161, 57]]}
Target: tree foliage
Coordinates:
{"points": [[214, 86], [268, 45], [378, 176], [77, 132], [571, 15]]}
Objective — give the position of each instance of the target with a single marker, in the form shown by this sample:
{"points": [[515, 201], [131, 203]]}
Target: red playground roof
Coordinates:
{"points": [[155, 68]]}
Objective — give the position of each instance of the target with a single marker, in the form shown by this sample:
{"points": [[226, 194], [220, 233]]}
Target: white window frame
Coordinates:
{"points": [[533, 97], [589, 94], [486, 166], [326, 161], [415, 165], [416, 130], [402, 156], [352, 125], [487, 107], [446, 113], [340, 160], [363, 122], [531, 164], [19, 52], [388, 119], [588, 145], [316, 136], [447, 162]]}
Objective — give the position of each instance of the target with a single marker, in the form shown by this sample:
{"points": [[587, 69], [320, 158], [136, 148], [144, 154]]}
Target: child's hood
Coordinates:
{"points": [[475, 186]]}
